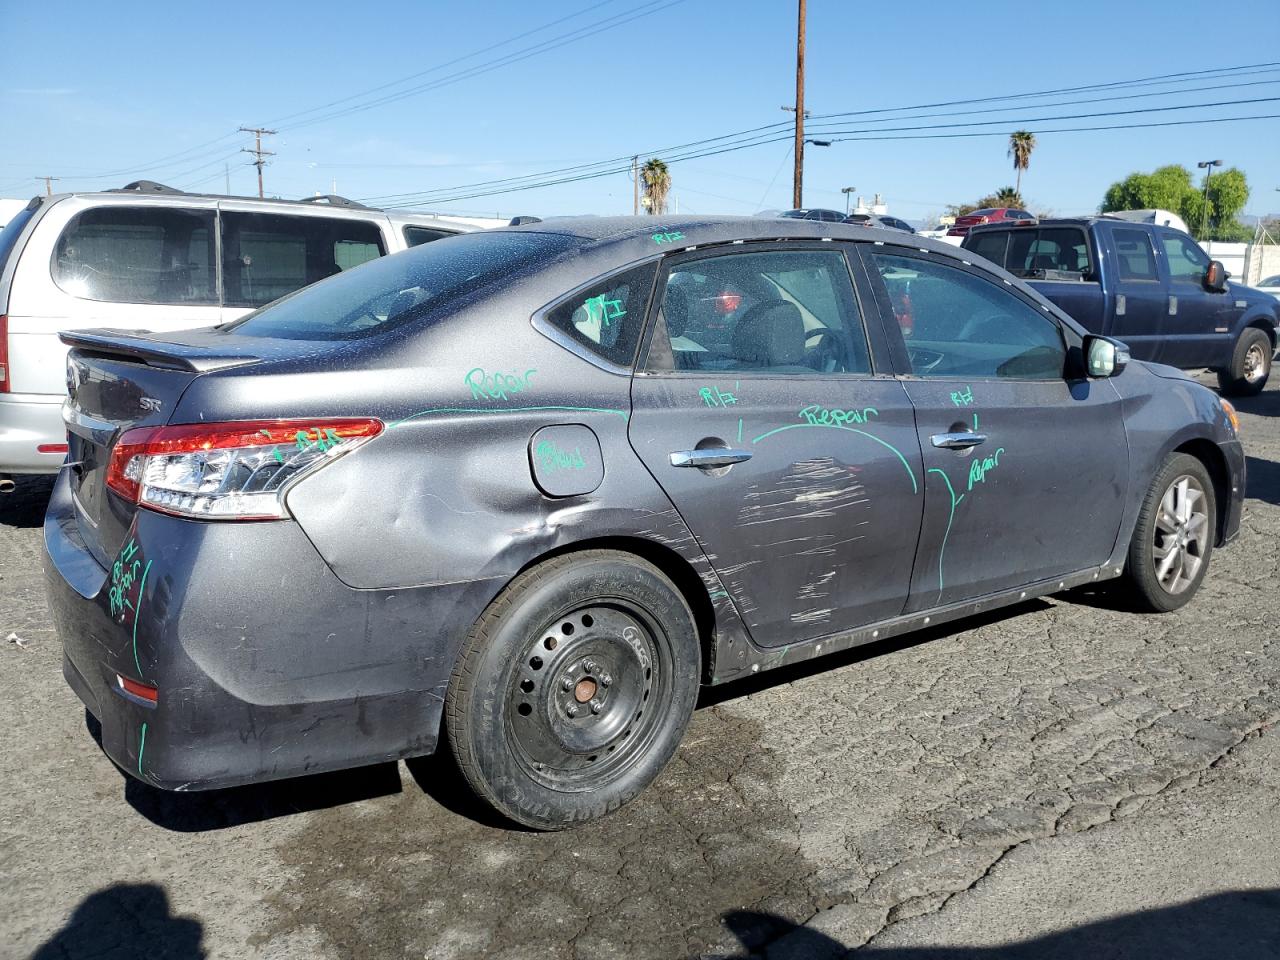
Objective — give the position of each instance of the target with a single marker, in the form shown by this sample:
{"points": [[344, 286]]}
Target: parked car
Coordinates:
{"points": [[1148, 285], [879, 220], [989, 215], [936, 232], [1270, 285], [477, 499], [814, 213], [147, 257]]}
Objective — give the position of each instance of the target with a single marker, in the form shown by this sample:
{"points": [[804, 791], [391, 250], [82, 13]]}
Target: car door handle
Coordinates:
{"points": [[957, 441], [709, 457]]}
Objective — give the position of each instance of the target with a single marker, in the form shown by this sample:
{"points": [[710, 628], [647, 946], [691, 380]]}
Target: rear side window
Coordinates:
{"points": [[415, 236], [1033, 252], [412, 287], [1134, 256], [786, 312], [266, 256], [608, 317], [9, 235], [138, 255]]}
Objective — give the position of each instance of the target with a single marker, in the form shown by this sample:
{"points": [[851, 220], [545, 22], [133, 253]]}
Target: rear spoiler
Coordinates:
{"points": [[138, 347]]}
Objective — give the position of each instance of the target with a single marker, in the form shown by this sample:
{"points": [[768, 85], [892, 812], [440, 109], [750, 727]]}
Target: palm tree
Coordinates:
{"points": [[1007, 197], [1021, 143], [656, 180]]}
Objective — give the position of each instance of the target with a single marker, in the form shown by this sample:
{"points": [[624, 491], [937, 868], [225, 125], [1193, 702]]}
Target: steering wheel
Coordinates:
{"points": [[827, 354]]}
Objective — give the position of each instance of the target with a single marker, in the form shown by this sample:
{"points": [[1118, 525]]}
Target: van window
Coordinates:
{"points": [[268, 255], [414, 236], [138, 255]]}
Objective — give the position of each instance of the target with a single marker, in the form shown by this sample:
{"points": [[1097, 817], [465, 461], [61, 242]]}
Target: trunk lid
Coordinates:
{"points": [[116, 381]]}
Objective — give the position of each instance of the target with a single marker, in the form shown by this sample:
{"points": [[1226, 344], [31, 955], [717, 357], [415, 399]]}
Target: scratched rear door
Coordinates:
{"points": [[758, 410], [1025, 471]]}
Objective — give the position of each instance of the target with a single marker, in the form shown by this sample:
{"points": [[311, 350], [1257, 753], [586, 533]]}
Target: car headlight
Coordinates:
{"points": [[1230, 411]]}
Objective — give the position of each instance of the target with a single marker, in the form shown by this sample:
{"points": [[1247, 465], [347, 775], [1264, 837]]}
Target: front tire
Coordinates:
{"points": [[1250, 365], [1173, 539], [574, 689]]}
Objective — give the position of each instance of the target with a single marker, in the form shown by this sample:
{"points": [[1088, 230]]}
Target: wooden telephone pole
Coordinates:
{"points": [[258, 152], [48, 184], [797, 193]]}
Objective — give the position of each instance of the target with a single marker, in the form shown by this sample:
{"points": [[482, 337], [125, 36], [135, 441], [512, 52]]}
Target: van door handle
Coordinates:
{"points": [[709, 457], [957, 441]]}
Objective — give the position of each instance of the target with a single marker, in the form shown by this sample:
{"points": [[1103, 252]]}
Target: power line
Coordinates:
{"points": [[763, 133], [646, 9], [779, 139]]}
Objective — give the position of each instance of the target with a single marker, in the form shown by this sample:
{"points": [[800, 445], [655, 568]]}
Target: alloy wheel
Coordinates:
{"points": [[1255, 363], [1181, 532]]}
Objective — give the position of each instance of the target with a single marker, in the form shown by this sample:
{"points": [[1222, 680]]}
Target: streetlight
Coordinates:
{"points": [[1207, 166], [846, 191]]}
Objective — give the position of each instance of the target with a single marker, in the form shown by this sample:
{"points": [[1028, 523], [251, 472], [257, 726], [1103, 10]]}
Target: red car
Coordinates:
{"points": [[987, 215]]}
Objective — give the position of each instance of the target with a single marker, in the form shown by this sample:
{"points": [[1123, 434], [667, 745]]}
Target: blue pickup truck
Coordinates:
{"points": [[1150, 286]]}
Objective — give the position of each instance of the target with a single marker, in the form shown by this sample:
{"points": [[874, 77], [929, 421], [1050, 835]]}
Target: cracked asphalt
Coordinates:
{"points": [[1059, 779]]}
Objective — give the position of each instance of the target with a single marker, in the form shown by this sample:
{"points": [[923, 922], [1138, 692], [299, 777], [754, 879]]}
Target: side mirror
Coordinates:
{"points": [[1105, 357], [1215, 276]]}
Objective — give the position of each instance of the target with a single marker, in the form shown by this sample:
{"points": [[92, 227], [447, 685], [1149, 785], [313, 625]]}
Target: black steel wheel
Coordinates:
{"points": [[574, 689]]}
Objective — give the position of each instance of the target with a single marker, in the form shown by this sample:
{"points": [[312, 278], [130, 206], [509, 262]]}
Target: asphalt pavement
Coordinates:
{"points": [[1059, 779]]}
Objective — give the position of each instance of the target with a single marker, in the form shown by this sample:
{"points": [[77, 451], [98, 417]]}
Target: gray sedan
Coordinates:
{"points": [[529, 489]]}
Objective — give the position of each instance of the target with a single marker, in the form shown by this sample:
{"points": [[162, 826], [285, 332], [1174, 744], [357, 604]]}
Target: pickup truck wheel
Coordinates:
{"points": [[1250, 365], [573, 689], [1173, 539]]}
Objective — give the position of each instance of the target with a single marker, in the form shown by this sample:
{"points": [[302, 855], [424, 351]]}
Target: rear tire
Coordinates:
{"points": [[1173, 539], [574, 689], [1250, 365]]}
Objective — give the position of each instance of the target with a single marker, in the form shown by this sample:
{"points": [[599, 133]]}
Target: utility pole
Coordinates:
{"points": [[48, 184], [635, 190], [797, 192], [257, 151]]}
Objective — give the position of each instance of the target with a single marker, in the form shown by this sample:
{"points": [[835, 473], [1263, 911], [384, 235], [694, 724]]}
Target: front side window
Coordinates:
{"points": [[959, 325], [416, 286], [138, 255], [784, 312], [267, 255], [607, 318], [1186, 260], [1134, 256]]}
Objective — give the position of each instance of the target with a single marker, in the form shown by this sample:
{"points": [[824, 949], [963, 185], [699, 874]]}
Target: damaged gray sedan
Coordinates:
{"points": [[527, 490]]}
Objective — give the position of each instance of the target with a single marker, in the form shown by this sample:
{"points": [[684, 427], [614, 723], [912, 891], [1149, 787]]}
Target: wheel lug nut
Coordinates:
{"points": [[571, 710], [596, 706], [589, 666], [567, 683], [606, 680]]}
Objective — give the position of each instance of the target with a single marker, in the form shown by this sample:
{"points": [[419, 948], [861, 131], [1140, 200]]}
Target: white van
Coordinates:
{"points": [[148, 257]]}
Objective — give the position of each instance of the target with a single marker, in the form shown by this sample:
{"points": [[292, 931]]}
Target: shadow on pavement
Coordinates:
{"points": [[26, 505], [1265, 404], [125, 922], [1239, 925], [1262, 480]]}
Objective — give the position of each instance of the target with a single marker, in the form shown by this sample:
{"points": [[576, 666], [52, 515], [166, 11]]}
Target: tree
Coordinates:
{"points": [[656, 181], [1173, 188], [1021, 143], [1007, 197]]}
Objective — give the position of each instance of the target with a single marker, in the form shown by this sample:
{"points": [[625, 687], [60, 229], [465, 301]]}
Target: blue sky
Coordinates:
{"points": [[88, 89]]}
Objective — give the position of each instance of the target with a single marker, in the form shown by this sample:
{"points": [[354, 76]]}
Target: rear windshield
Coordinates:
{"points": [[1031, 252], [401, 288], [9, 235]]}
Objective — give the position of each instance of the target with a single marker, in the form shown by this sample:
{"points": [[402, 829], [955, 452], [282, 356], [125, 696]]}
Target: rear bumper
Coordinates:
{"points": [[28, 420], [264, 664]]}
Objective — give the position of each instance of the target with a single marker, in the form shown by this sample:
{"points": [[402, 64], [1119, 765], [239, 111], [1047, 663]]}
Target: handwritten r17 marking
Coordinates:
{"points": [[962, 398], [715, 397], [671, 236], [603, 311]]}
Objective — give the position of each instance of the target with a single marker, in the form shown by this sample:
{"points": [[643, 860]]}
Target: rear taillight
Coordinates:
{"points": [[227, 471], [984, 220], [4, 353]]}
